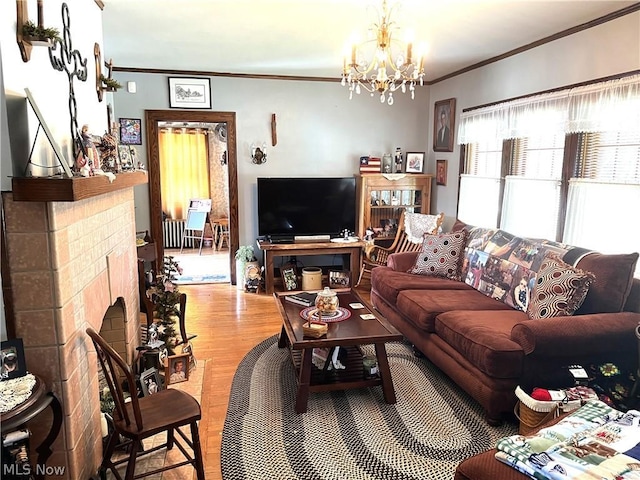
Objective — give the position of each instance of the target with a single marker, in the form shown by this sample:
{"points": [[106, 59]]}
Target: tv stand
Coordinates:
{"points": [[272, 250]]}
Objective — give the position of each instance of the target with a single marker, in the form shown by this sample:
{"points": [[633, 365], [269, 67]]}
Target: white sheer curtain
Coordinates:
{"points": [[603, 217], [478, 202], [530, 207], [603, 106]]}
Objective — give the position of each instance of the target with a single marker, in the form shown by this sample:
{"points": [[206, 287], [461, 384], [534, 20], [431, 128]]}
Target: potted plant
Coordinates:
{"points": [[34, 34], [109, 84], [244, 256]]}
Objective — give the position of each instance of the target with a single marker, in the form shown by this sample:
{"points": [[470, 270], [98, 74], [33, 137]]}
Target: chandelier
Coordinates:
{"points": [[390, 67]]}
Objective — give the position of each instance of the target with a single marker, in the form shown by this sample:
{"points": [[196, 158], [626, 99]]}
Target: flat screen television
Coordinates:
{"points": [[298, 207]]}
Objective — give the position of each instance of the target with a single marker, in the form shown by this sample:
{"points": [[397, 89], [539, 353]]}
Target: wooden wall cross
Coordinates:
{"points": [[274, 133]]}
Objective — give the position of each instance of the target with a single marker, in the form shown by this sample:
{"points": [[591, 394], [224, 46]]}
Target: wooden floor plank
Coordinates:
{"points": [[229, 323]]}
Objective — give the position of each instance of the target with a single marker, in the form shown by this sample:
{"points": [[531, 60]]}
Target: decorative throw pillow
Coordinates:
{"points": [[559, 290], [441, 255]]}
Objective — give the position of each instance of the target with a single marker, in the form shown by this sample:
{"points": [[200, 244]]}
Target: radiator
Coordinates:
{"points": [[172, 231]]}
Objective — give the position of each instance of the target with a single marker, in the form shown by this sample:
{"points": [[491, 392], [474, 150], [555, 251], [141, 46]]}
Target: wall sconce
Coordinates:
{"points": [[259, 154]]}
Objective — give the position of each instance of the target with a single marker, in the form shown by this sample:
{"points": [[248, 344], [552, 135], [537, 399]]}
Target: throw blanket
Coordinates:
{"points": [[417, 224], [593, 442], [496, 262]]}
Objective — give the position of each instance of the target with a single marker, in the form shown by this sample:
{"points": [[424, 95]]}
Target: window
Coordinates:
{"points": [[604, 194], [569, 166], [480, 184], [531, 201]]}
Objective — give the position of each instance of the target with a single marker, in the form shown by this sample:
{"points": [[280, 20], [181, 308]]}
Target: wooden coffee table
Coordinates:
{"points": [[349, 334]]}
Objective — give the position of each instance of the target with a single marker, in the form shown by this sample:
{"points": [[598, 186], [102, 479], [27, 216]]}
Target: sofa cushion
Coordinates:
{"points": [[614, 277], [484, 338], [422, 306], [559, 289], [387, 283], [441, 255]]}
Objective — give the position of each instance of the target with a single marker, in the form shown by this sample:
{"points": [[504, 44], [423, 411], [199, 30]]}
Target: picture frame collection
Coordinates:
{"points": [[444, 123]]}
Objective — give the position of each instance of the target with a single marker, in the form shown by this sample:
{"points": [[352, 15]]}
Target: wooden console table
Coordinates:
{"points": [[272, 250]]}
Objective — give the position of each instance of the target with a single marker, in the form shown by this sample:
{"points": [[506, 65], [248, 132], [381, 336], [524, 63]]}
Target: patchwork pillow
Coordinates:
{"points": [[559, 289], [441, 255]]}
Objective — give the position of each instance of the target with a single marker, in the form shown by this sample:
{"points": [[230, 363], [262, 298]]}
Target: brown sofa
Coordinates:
{"points": [[488, 347]]}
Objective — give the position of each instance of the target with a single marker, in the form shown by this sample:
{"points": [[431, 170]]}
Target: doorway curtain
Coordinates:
{"points": [[184, 169]]}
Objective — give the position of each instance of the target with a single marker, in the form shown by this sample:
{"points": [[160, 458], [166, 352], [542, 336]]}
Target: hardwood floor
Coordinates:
{"points": [[229, 323]]}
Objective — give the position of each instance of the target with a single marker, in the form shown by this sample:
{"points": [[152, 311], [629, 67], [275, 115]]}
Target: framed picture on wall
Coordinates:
{"points": [[130, 131], [187, 92], [444, 125], [441, 172]]}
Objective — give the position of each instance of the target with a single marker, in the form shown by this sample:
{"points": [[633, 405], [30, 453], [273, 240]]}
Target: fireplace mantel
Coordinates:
{"points": [[39, 189]]}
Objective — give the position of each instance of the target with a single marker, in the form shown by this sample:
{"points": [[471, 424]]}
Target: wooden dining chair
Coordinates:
{"points": [[140, 418]]}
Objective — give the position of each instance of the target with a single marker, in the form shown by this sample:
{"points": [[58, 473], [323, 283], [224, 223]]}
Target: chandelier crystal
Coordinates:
{"points": [[392, 65]]}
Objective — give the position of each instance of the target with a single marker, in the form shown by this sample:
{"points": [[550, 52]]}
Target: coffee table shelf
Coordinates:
{"points": [[350, 334], [351, 377]]}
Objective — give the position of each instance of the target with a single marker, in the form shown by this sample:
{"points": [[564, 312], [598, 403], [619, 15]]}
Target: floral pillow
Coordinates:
{"points": [[441, 255], [559, 290]]}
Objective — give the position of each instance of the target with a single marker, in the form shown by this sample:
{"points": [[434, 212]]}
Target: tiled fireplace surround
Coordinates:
{"points": [[73, 265]]}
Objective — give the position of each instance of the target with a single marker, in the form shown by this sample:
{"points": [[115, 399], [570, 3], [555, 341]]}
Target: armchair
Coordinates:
{"points": [[411, 228]]}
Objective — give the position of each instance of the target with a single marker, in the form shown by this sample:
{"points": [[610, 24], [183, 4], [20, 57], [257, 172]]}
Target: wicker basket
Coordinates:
{"points": [[314, 329], [533, 413]]}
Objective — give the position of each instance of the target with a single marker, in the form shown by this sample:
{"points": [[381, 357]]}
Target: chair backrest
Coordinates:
{"points": [[402, 242], [182, 316], [116, 371]]}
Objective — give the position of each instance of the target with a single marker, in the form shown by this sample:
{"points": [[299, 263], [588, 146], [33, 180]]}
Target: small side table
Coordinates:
{"points": [[17, 418]]}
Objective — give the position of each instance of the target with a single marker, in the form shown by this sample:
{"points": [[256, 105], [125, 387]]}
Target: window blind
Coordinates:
{"points": [[611, 157]]}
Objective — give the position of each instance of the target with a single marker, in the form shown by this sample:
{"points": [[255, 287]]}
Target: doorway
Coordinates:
{"points": [[153, 119]]}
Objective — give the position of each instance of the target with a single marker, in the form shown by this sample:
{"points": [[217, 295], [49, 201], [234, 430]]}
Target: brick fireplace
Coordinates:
{"points": [[71, 265]]}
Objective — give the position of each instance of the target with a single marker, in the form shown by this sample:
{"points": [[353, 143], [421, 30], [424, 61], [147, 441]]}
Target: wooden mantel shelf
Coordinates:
{"points": [[38, 189]]}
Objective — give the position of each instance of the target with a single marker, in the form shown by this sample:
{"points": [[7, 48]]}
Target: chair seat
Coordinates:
{"points": [[166, 408]]}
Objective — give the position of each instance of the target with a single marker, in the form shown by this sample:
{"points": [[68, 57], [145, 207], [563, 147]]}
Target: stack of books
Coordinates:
{"points": [[306, 299], [370, 164]]}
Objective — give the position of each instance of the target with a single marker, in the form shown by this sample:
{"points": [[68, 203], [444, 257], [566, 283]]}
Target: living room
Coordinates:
{"points": [[319, 131]]}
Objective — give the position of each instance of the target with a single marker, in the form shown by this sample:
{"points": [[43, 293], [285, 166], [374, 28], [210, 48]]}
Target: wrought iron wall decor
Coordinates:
{"points": [[72, 63]]}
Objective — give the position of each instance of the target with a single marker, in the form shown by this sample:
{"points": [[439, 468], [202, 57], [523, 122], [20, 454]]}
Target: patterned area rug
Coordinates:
{"points": [[349, 434]]}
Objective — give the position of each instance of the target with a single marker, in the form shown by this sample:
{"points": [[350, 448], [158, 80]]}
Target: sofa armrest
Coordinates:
{"points": [[402, 262], [577, 335]]}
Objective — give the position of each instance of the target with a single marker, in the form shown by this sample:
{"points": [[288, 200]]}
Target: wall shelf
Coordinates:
{"points": [[58, 189]]}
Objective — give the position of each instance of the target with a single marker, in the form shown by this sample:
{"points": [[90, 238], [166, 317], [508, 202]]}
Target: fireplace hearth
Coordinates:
{"points": [[71, 265]]}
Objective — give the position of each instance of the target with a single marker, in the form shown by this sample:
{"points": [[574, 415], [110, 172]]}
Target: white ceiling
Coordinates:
{"points": [[307, 37]]}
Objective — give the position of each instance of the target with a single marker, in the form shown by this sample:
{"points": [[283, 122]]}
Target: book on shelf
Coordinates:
{"points": [[306, 299]]}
